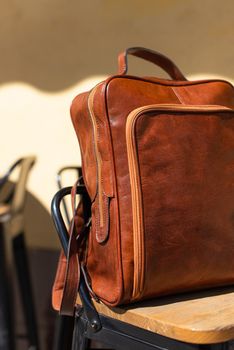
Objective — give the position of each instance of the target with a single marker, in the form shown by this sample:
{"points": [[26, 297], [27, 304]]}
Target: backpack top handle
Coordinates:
{"points": [[152, 56]]}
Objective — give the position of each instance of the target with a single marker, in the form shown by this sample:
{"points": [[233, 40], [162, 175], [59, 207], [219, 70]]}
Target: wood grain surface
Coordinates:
{"points": [[202, 318]]}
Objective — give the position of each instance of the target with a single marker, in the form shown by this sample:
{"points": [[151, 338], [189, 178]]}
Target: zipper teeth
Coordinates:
{"points": [[138, 230], [137, 218], [97, 154], [173, 107]]}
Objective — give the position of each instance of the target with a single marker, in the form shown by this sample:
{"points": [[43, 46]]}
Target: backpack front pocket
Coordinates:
{"points": [[178, 155]]}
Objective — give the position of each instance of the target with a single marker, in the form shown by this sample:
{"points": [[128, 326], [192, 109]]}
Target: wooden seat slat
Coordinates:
{"points": [[203, 318]]}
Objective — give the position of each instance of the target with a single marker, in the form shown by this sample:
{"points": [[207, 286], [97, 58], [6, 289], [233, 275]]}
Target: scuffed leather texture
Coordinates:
{"points": [[189, 229], [187, 171], [85, 137]]}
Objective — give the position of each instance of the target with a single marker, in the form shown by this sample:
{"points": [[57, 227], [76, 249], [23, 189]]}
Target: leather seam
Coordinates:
{"points": [[166, 82], [117, 228], [178, 96]]}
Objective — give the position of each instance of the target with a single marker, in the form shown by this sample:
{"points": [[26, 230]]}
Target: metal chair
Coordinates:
{"points": [[77, 170], [13, 258], [64, 324], [194, 321]]}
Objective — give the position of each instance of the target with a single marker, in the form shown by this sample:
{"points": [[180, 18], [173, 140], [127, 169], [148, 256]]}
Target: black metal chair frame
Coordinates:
{"points": [[13, 254], [114, 333], [69, 168], [64, 324]]}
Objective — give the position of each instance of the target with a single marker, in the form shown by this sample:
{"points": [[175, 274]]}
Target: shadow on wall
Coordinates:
{"points": [[39, 228], [53, 44]]}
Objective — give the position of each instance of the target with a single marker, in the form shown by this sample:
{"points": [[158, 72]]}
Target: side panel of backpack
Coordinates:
{"points": [[104, 265]]}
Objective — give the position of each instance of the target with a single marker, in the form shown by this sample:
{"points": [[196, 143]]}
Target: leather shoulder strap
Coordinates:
{"points": [[72, 274]]}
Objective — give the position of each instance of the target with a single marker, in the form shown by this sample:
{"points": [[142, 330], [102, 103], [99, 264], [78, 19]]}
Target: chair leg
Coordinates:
{"points": [[24, 281], [80, 342], [63, 333], [6, 308]]}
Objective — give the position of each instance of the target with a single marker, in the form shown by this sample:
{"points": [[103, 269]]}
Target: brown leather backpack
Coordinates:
{"points": [[158, 164]]}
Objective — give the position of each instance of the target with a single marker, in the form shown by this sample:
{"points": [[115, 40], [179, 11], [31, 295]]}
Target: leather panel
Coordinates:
{"points": [[134, 93], [186, 165], [84, 131]]}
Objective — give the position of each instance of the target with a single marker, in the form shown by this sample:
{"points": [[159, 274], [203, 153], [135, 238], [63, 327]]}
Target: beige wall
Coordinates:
{"points": [[53, 49]]}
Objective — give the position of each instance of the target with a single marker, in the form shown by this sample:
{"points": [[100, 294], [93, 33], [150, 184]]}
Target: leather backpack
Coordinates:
{"points": [[158, 165]]}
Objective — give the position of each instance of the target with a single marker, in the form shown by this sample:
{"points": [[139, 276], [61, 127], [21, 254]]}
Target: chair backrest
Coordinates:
{"points": [[16, 198], [14, 201], [77, 170]]}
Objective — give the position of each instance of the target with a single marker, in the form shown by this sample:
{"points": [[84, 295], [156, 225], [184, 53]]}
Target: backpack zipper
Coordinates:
{"points": [[97, 155]]}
